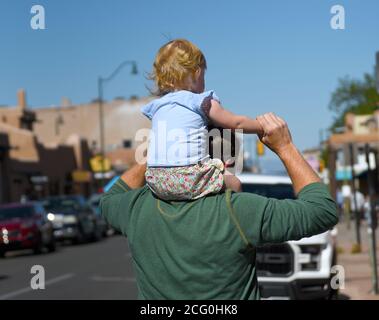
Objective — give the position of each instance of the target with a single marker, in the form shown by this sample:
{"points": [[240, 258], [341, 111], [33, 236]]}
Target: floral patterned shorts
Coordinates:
{"points": [[188, 182]]}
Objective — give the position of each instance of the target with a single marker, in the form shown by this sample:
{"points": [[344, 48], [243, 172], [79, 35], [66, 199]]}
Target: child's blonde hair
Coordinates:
{"points": [[175, 64]]}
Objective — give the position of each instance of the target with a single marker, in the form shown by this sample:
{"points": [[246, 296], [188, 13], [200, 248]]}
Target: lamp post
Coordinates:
{"points": [[100, 84]]}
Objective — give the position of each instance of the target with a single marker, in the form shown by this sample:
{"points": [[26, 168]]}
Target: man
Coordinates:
{"points": [[360, 199], [205, 249]]}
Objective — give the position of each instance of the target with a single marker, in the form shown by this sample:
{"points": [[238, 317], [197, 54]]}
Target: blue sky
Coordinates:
{"points": [[266, 55]]}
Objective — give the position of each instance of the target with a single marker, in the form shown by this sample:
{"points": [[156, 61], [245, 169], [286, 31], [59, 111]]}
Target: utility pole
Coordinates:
{"points": [[374, 219], [100, 85], [101, 126], [357, 216], [373, 222]]}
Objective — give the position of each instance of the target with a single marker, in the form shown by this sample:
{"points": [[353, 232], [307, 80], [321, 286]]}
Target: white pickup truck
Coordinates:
{"points": [[295, 269]]}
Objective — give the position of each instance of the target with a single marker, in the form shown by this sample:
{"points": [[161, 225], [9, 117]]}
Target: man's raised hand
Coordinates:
{"points": [[276, 134]]}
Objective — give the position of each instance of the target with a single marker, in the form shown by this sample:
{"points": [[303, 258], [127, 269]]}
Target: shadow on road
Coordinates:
{"points": [[60, 246], [3, 277]]}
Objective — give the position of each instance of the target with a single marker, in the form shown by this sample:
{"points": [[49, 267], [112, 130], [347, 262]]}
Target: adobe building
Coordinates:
{"points": [[122, 119], [30, 168]]}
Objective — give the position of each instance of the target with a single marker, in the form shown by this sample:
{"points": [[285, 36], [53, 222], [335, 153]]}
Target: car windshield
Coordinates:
{"points": [[277, 191], [16, 212], [63, 206]]}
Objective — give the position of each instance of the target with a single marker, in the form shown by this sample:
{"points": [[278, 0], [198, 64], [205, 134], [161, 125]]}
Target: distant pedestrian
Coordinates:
{"points": [[339, 200], [360, 199]]}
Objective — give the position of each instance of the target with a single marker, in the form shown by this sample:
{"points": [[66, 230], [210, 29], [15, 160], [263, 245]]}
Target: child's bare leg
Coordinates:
{"points": [[232, 182]]}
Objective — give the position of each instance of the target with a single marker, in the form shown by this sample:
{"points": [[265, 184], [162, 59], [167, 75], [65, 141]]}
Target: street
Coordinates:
{"points": [[100, 270], [103, 270]]}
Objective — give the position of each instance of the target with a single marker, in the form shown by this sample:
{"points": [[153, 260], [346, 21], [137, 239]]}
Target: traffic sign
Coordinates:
{"points": [[260, 148]]}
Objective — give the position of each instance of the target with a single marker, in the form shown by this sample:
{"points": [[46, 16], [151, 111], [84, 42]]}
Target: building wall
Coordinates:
{"points": [[10, 116], [122, 118]]}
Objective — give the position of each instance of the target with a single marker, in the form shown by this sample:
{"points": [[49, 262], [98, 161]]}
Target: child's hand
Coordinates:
{"points": [[260, 131], [229, 163]]}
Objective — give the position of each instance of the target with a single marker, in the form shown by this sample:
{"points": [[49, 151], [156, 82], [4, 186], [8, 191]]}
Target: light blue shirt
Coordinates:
{"points": [[179, 129]]}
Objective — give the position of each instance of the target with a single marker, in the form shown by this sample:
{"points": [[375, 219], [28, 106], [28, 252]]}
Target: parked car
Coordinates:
{"points": [[94, 202], [295, 269], [25, 226], [73, 219]]}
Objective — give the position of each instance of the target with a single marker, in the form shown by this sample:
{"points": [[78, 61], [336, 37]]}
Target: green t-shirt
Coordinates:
{"points": [[205, 249]]}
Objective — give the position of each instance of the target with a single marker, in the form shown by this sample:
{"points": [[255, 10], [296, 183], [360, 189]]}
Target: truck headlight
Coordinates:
{"points": [[310, 257]]}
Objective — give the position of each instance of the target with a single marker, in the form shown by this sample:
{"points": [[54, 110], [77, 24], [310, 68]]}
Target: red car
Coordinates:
{"points": [[25, 226]]}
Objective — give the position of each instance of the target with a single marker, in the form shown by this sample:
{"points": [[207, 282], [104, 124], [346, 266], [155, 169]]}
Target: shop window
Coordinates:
{"points": [[127, 143]]}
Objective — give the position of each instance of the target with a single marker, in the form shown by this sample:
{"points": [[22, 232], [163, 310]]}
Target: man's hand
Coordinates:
{"points": [[135, 177], [276, 134], [278, 138]]}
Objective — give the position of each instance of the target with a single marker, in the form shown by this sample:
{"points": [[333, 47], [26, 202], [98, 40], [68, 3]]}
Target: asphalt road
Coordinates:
{"points": [[101, 270]]}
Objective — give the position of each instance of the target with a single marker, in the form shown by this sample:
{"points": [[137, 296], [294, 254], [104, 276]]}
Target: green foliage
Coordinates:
{"points": [[352, 95]]}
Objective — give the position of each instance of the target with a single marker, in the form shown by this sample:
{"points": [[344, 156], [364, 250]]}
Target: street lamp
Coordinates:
{"points": [[100, 84]]}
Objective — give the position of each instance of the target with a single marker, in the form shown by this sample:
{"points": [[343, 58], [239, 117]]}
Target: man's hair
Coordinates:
{"points": [[175, 64]]}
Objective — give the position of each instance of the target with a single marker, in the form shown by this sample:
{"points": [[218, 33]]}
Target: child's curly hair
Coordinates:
{"points": [[175, 65]]}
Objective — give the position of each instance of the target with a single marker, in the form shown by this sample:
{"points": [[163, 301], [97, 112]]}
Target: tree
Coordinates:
{"points": [[353, 95]]}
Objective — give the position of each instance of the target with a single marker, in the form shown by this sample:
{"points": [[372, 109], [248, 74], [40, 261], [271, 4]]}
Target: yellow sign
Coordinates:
{"points": [[260, 148], [81, 176], [99, 165]]}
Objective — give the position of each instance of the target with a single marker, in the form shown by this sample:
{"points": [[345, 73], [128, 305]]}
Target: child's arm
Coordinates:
{"points": [[228, 120]]}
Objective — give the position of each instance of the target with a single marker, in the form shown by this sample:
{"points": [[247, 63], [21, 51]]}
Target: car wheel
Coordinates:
{"points": [[96, 235], [2, 254], [51, 247], [38, 248], [79, 238]]}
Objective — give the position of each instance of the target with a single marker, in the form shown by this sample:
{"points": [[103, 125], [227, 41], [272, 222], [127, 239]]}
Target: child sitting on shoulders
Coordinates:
{"points": [[178, 165]]}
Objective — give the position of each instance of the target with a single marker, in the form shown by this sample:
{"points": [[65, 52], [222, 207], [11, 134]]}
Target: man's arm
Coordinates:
{"points": [[115, 204], [274, 220]]}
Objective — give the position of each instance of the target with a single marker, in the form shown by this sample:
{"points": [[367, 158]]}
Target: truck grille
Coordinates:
{"points": [[274, 260]]}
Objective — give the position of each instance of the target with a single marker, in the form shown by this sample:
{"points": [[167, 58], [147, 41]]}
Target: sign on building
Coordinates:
{"points": [[99, 165], [81, 176], [361, 124]]}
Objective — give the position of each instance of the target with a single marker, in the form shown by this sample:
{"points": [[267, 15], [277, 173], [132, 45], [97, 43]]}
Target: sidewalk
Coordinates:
{"points": [[358, 273]]}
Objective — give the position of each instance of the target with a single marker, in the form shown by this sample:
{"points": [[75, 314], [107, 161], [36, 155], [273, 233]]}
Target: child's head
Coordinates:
{"points": [[179, 65]]}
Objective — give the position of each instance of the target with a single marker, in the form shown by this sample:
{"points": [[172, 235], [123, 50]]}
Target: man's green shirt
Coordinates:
{"points": [[205, 249]]}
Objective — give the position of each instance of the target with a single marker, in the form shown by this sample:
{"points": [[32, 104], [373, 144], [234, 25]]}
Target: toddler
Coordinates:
{"points": [[178, 164]]}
